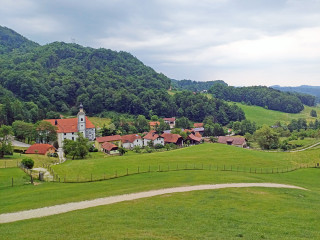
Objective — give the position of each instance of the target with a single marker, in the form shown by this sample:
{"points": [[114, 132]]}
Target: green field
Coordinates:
{"points": [[216, 155], [248, 213], [262, 116], [99, 122]]}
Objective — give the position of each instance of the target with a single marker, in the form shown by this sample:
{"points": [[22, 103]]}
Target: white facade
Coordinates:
{"points": [[129, 145], [158, 140], [82, 121]]}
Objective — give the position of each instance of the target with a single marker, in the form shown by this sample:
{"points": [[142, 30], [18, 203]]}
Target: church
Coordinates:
{"points": [[68, 128]]}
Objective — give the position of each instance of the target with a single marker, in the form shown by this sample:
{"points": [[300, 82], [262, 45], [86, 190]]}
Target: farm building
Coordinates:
{"points": [[235, 141], [40, 148]]}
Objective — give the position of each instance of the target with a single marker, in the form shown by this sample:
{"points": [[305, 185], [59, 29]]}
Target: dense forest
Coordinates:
{"points": [[304, 89], [263, 96], [39, 82], [194, 86]]}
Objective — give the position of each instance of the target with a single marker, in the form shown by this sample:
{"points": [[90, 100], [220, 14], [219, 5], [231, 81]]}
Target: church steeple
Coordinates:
{"points": [[81, 120]]}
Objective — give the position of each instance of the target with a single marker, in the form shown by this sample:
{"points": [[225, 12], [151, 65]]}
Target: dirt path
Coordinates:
{"points": [[63, 208]]}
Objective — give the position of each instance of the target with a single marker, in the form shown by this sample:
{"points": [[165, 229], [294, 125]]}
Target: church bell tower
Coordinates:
{"points": [[81, 120]]}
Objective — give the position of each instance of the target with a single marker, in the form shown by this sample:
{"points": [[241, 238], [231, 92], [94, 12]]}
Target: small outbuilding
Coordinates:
{"points": [[231, 140], [110, 148], [40, 148]]}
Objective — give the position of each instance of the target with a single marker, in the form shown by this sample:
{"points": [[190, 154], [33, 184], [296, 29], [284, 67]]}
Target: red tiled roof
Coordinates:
{"points": [[152, 135], [198, 125], [109, 146], [108, 138], [130, 138], [169, 119], [194, 138], [187, 130], [39, 148], [197, 134], [154, 123], [170, 137], [233, 140], [68, 125]]}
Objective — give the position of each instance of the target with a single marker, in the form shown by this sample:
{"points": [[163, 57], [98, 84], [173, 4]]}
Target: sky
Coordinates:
{"points": [[243, 42]]}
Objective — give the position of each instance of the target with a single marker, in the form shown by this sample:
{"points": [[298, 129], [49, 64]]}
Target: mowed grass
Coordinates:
{"points": [[262, 116], [208, 154], [12, 176], [251, 213]]}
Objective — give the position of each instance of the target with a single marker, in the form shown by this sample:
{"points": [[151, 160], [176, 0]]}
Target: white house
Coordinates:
{"points": [[153, 136], [170, 121], [131, 140], [68, 128]]}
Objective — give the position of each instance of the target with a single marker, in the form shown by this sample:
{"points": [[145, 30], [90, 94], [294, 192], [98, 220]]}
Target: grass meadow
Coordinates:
{"points": [[248, 213], [262, 116]]}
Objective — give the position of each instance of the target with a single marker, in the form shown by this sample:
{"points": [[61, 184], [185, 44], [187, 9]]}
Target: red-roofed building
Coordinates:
{"points": [[198, 125], [153, 125], [110, 148], [172, 138], [131, 140], [68, 128], [154, 137], [114, 139], [235, 141], [40, 148], [170, 121], [193, 139]]}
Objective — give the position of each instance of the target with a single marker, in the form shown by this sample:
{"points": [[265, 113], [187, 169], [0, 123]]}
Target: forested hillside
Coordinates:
{"points": [[194, 86], [311, 90], [264, 97], [37, 82]]}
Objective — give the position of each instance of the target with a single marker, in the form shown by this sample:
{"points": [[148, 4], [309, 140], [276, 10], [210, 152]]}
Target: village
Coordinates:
{"points": [[70, 128]]}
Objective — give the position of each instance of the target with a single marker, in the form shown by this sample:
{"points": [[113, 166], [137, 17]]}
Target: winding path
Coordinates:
{"points": [[63, 208]]}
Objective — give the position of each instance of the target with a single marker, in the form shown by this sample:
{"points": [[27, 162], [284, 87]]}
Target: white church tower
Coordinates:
{"points": [[81, 120]]}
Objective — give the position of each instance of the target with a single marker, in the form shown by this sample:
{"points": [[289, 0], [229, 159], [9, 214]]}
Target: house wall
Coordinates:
{"points": [[91, 134], [156, 141], [63, 136]]}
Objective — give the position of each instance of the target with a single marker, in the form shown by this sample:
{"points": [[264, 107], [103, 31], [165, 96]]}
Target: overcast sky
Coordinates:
{"points": [[243, 42]]}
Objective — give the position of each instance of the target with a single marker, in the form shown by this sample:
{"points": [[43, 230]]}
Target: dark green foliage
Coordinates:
{"points": [[313, 113], [267, 138], [305, 91], [78, 148], [259, 96], [194, 86], [5, 142], [158, 146], [243, 127], [122, 150], [183, 122], [27, 163]]}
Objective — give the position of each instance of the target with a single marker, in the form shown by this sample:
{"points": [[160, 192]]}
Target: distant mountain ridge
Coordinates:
{"points": [[312, 90]]}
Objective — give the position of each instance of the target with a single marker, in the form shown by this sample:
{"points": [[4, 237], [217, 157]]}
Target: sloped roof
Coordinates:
{"points": [[152, 135], [68, 125], [170, 119], [197, 134], [154, 123], [108, 138], [109, 146], [39, 148], [194, 138], [130, 138], [198, 125], [231, 139], [170, 137]]}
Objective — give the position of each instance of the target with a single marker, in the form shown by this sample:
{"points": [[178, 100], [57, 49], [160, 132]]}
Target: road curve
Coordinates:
{"points": [[68, 207]]}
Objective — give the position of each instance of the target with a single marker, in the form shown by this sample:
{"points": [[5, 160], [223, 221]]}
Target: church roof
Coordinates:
{"points": [[68, 125]]}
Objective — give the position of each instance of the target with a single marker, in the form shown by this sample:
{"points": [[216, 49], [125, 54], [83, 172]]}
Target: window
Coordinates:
{"points": [[81, 119], [65, 134], [72, 133], [72, 138]]}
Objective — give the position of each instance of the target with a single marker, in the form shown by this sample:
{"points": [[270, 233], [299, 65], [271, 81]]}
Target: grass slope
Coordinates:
{"points": [[252, 213], [264, 116], [206, 154]]}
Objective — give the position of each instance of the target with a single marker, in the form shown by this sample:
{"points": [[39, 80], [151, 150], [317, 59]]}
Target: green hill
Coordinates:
{"points": [[264, 116]]}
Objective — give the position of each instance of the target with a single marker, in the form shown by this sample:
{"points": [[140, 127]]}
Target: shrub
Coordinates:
{"points": [[27, 163], [158, 146]]}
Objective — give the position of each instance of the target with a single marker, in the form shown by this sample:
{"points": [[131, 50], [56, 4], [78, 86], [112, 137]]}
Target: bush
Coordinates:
{"points": [[158, 146], [27, 163]]}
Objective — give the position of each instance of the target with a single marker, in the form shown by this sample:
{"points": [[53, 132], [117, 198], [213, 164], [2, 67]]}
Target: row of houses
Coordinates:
{"points": [[110, 144]]}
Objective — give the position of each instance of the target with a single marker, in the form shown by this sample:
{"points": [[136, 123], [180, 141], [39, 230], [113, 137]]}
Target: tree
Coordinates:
{"points": [[27, 163], [163, 126], [23, 131], [313, 113], [142, 124], [183, 122], [266, 137], [5, 141], [45, 132], [122, 150], [78, 148]]}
